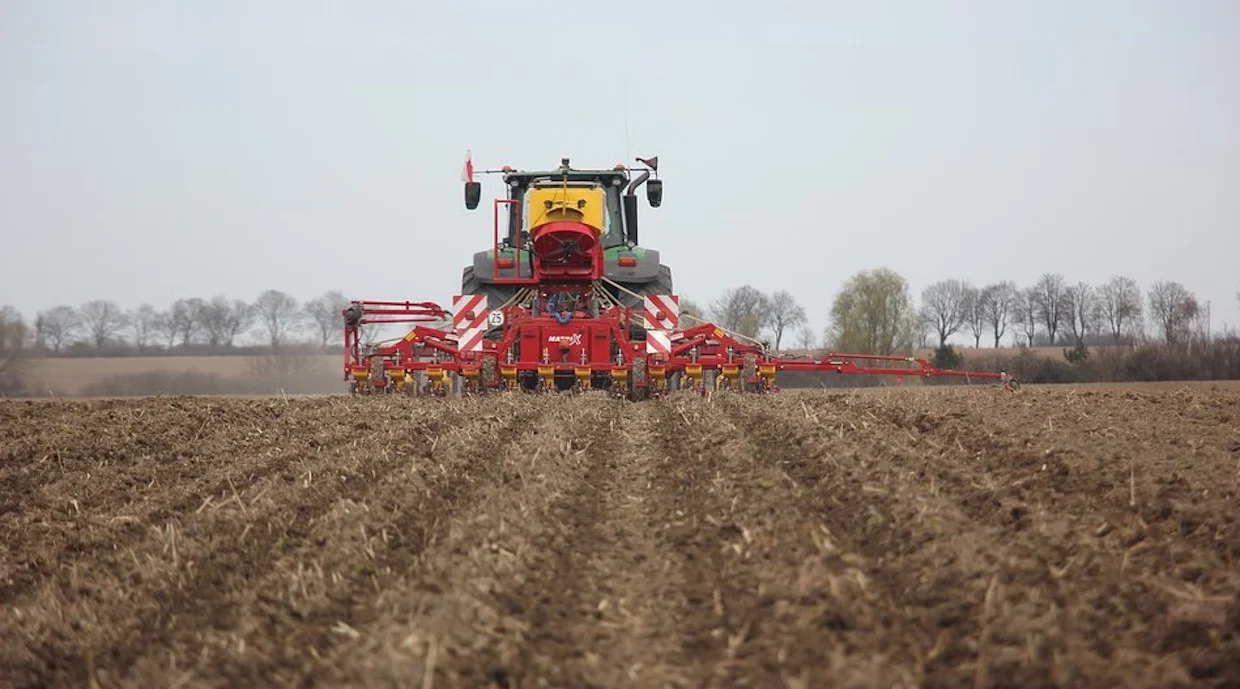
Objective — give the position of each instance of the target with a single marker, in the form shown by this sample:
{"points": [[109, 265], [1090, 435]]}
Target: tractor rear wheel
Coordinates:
{"points": [[660, 285], [497, 295]]}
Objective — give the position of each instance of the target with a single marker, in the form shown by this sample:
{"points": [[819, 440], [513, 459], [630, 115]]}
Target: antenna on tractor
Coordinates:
{"points": [[627, 150]]}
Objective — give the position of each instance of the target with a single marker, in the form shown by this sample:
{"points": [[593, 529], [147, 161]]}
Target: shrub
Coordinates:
{"points": [[946, 357]]}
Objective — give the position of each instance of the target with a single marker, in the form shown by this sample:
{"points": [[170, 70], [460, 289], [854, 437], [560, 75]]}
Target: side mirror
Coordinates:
{"points": [[473, 194], [654, 192]]}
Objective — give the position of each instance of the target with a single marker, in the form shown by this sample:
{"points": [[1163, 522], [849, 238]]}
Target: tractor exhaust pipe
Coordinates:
{"points": [[630, 208], [645, 175], [630, 218], [654, 192]]}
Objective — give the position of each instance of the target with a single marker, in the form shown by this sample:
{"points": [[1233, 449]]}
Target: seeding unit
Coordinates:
{"points": [[566, 300]]}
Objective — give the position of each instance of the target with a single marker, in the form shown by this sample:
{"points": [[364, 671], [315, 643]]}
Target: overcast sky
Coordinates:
{"points": [[151, 150]]}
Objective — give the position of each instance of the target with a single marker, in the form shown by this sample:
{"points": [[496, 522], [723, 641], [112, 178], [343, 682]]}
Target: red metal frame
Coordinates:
{"points": [[516, 262], [543, 344], [382, 313]]}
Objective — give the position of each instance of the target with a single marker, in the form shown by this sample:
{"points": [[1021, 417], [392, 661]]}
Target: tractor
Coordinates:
{"points": [[636, 271]]}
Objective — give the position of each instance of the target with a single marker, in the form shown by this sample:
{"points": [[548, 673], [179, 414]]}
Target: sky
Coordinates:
{"points": [[152, 150]]}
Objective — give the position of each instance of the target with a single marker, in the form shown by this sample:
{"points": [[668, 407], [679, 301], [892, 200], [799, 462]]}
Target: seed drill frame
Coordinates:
{"points": [[567, 326]]}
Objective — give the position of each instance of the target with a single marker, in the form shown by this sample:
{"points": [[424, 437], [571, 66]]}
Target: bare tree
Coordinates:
{"points": [[143, 323], [785, 313], [1081, 309], [368, 334], [744, 310], [243, 317], [325, 312], [186, 317], [975, 314], [1052, 300], [874, 314], [163, 328], [998, 301], [222, 320], [57, 326], [103, 319], [13, 330], [1173, 309], [277, 313], [691, 308], [1027, 312], [214, 315], [807, 338], [1119, 305], [944, 305], [14, 339]]}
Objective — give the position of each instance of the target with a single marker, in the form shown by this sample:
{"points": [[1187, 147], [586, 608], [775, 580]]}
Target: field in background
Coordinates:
{"points": [[959, 537], [310, 374], [968, 352], [110, 376]]}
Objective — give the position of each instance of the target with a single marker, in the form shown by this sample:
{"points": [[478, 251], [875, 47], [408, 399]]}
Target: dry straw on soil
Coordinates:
{"points": [[941, 538]]}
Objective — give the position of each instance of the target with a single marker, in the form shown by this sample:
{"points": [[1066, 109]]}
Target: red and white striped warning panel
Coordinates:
{"points": [[659, 342], [471, 339], [469, 320], [467, 308], [662, 311]]}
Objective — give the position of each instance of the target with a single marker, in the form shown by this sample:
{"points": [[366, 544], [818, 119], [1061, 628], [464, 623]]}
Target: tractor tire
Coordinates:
{"points": [[660, 285], [378, 373], [749, 369], [673, 381], [497, 295], [639, 376], [490, 373], [710, 380]]}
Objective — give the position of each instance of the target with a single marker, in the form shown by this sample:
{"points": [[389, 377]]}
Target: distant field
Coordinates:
{"points": [[71, 377], [980, 353]]}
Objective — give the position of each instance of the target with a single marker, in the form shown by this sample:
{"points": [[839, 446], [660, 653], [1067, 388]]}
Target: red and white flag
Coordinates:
{"points": [[468, 174]]}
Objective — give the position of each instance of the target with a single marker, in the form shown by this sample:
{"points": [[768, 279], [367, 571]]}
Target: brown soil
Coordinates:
{"points": [[962, 538]]}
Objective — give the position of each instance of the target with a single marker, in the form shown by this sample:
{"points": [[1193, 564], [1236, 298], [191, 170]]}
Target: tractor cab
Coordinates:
{"points": [[520, 186], [541, 200], [522, 204]]}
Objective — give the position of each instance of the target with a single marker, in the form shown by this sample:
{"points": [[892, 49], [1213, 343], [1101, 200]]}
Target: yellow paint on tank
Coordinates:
{"points": [[557, 204]]}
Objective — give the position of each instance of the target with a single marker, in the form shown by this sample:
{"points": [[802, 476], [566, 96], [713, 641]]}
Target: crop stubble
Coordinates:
{"points": [[973, 538]]}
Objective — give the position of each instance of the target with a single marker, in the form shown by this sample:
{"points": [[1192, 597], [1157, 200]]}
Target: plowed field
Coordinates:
{"points": [[936, 538]]}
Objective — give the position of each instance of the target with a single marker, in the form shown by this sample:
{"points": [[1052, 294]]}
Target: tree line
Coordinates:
{"points": [[1053, 311], [214, 325], [875, 313]]}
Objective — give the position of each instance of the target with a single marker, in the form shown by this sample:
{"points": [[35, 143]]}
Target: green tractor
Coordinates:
{"points": [[635, 269]]}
